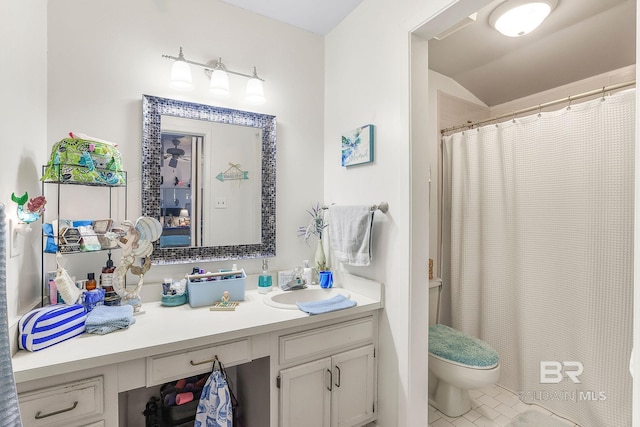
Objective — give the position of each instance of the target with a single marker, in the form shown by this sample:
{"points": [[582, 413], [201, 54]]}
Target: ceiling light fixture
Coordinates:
{"points": [[515, 18], [219, 78]]}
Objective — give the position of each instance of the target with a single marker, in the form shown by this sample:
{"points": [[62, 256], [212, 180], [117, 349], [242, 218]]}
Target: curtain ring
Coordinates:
{"points": [[569, 106], [603, 94], [539, 110], [513, 117]]}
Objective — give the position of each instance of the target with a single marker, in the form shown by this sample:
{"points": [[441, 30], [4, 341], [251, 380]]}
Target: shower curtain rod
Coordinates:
{"points": [[540, 106]]}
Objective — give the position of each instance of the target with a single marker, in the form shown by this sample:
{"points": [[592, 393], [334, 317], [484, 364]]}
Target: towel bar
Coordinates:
{"points": [[382, 207]]}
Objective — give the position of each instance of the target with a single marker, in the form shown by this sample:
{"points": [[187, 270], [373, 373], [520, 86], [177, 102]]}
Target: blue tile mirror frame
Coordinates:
{"points": [[153, 110]]}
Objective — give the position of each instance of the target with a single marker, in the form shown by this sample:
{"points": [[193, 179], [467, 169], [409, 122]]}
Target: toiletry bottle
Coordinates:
{"points": [[264, 280], [91, 282], [307, 274], [106, 278]]}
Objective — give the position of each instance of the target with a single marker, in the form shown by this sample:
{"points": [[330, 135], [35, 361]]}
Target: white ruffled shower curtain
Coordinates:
{"points": [[538, 252]]}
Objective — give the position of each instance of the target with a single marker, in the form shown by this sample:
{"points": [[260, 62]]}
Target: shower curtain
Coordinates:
{"points": [[538, 244], [8, 398]]}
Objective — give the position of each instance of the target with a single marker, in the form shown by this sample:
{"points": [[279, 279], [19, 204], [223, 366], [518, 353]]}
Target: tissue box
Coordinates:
{"points": [[206, 289], [46, 326]]}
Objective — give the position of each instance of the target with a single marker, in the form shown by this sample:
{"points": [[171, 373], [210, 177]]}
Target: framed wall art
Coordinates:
{"points": [[357, 146]]}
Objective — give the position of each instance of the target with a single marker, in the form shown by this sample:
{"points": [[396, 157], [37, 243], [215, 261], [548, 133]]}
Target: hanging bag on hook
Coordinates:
{"points": [[218, 405]]}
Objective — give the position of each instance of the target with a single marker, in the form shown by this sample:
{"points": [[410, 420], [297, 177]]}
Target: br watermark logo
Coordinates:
{"points": [[554, 372]]}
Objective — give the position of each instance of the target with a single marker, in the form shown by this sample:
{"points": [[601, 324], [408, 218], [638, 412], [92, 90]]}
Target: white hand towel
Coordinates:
{"points": [[350, 234]]}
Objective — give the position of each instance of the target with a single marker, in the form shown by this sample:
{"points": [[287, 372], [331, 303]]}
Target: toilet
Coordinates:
{"points": [[457, 362]]}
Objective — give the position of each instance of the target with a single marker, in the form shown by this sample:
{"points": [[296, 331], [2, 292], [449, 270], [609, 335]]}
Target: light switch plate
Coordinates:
{"points": [[16, 239]]}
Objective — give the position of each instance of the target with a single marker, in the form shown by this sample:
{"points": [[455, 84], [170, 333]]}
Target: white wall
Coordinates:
{"points": [[23, 71], [104, 55], [368, 81]]}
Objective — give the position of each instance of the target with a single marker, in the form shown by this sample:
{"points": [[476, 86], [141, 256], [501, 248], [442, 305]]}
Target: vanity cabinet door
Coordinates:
{"points": [[336, 391], [305, 398], [352, 398]]}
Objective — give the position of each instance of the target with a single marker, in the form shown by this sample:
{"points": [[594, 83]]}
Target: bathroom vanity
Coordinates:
{"points": [[288, 364]]}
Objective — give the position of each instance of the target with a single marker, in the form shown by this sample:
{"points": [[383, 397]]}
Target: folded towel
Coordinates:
{"points": [[339, 302], [104, 319], [350, 234]]}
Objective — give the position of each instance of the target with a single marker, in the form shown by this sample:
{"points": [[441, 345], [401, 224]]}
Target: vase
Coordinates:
{"points": [[320, 261]]}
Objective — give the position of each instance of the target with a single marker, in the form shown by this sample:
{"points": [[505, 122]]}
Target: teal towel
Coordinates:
{"points": [[453, 345], [104, 319], [339, 302]]}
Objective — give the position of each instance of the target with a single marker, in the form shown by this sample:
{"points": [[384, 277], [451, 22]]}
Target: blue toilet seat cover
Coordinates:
{"points": [[450, 344]]}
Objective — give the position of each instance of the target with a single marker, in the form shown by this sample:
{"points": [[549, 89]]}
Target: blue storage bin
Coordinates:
{"points": [[206, 289]]}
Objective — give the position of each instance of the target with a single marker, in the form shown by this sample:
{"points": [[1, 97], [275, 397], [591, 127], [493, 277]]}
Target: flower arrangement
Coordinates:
{"points": [[316, 225]]}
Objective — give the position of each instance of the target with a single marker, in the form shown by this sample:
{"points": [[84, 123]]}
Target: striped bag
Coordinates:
{"points": [[43, 327]]}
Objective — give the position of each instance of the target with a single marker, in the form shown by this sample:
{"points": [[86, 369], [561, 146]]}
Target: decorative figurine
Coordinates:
{"points": [[136, 243], [225, 298], [34, 209], [224, 304]]}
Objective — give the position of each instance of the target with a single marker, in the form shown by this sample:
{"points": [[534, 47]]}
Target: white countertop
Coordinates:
{"points": [[163, 329]]}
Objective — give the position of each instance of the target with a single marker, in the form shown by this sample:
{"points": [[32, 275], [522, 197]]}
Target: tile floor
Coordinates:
{"points": [[490, 407]]}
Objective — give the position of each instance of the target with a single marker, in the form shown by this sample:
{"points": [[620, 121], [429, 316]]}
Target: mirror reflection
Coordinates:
{"points": [[209, 177], [176, 196], [228, 158]]}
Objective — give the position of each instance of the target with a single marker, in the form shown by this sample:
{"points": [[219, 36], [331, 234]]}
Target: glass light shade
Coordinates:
{"points": [[522, 19], [255, 94], [219, 84], [181, 75]]}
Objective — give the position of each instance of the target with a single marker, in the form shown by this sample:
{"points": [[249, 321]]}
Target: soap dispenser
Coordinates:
{"points": [[264, 280], [106, 278]]}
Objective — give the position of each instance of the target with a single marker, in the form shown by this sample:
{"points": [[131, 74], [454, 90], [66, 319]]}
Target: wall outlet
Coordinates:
{"points": [[221, 203], [16, 238]]}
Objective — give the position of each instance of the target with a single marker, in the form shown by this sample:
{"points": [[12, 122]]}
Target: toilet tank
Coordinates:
{"points": [[435, 289]]}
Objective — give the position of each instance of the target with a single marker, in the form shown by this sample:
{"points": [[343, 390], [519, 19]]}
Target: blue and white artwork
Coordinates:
{"points": [[357, 146]]}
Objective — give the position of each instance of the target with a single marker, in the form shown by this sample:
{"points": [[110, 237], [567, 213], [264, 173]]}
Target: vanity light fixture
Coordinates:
{"points": [[219, 78], [181, 73], [515, 18]]}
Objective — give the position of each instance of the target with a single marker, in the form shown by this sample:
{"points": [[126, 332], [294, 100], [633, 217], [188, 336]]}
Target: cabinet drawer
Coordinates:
{"points": [[325, 340], [172, 366], [63, 405]]}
